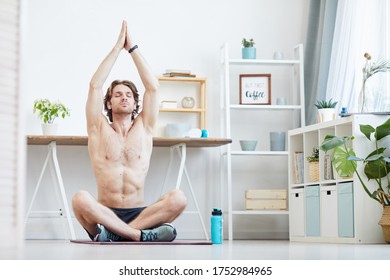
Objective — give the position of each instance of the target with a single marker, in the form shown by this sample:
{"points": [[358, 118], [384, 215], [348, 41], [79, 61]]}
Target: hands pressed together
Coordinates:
{"points": [[124, 40]]}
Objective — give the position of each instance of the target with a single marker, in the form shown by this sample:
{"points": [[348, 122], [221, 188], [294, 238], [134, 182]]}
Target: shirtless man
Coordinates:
{"points": [[120, 151]]}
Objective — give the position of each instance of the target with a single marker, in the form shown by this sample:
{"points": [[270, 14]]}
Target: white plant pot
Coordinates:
{"points": [[49, 128], [326, 114]]}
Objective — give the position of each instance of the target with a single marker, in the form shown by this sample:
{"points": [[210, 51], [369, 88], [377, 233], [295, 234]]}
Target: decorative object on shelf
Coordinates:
{"points": [[326, 110], [248, 50], [248, 145], [169, 104], [255, 89], [48, 111], [281, 101], [376, 164], [314, 166], [188, 102], [205, 133], [278, 141], [367, 98], [278, 55], [343, 112]]}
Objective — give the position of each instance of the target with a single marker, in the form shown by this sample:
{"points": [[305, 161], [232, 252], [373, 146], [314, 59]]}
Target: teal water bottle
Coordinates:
{"points": [[216, 226]]}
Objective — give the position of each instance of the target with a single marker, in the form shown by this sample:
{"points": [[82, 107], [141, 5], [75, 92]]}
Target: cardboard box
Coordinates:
{"points": [[266, 199]]}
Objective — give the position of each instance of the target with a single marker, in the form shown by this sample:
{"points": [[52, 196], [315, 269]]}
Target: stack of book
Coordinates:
{"points": [[178, 73]]}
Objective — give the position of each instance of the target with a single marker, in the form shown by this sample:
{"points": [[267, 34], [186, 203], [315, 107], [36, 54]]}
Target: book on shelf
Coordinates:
{"points": [[175, 74], [182, 71], [178, 73], [298, 162]]}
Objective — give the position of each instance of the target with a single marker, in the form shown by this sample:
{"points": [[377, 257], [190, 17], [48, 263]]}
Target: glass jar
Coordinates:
{"points": [[188, 102]]}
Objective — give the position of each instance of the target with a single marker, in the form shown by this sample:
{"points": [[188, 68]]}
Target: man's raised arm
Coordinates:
{"points": [[95, 102], [150, 101]]}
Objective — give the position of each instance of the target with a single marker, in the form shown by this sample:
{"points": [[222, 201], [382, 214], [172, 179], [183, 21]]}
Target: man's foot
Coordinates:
{"points": [[165, 232], [104, 235]]}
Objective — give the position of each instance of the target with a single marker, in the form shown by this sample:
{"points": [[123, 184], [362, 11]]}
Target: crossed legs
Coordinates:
{"points": [[90, 212]]}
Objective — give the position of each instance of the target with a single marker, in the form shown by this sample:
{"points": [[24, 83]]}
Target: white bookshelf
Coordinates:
{"points": [[364, 212], [286, 78]]}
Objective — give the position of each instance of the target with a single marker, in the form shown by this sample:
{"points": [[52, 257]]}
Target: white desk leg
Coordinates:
{"points": [[53, 153], [183, 155], [37, 187], [62, 188], [171, 156]]}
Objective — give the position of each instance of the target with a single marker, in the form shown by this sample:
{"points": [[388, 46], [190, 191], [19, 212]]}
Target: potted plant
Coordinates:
{"points": [[376, 166], [314, 167], [367, 98], [248, 50], [48, 111], [326, 110]]}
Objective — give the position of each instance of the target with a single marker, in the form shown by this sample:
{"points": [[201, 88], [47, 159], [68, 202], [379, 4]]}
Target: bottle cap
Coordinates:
{"points": [[217, 212]]}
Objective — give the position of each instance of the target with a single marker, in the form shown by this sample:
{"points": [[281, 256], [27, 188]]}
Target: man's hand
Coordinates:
{"points": [[128, 41], [122, 36]]}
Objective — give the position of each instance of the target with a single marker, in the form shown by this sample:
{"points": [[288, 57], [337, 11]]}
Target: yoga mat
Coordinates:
{"points": [[176, 242]]}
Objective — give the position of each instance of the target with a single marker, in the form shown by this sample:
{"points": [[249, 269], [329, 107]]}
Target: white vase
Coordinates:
{"points": [[326, 114], [49, 128]]}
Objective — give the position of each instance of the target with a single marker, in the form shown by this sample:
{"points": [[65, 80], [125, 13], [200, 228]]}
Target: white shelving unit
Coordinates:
{"points": [[343, 212], [175, 88], [287, 81]]}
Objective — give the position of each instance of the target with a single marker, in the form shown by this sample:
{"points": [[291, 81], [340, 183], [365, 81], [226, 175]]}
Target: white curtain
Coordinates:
{"points": [[361, 26]]}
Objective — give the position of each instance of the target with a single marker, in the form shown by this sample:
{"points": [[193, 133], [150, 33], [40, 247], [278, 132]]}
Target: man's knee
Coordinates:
{"points": [[177, 199], [81, 200]]}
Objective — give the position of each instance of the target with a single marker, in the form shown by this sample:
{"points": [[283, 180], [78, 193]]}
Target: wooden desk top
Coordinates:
{"points": [[157, 141]]}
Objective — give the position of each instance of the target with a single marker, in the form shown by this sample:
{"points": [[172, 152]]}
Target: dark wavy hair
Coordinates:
{"points": [[108, 96]]}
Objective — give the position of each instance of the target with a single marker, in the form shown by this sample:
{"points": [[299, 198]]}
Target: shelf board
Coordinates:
{"points": [[260, 153], [266, 107], [263, 61], [181, 110], [261, 212]]}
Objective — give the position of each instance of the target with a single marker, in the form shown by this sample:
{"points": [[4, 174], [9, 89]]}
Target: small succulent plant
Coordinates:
{"points": [[322, 104], [247, 44]]}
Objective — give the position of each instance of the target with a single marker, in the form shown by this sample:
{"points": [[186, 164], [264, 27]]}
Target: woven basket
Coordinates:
{"points": [[314, 171], [385, 223]]}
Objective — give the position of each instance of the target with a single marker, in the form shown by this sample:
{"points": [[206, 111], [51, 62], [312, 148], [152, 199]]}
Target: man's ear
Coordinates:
{"points": [[109, 105]]}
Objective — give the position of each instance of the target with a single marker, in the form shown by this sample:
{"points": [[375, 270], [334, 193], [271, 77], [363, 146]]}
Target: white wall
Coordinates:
{"points": [[65, 41]]}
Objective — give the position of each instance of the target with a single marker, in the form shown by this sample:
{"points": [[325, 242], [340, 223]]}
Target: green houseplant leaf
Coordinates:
{"points": [[383, 130], [344, 166]]}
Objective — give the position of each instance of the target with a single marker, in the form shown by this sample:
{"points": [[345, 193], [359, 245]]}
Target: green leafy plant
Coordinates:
{"points": [[376, 163], [315, 156], [247, 44], [48, 111], [322, 104]]}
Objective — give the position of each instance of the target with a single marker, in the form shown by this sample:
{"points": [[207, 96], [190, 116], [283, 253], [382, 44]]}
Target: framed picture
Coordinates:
{"points": [[255, 89]]}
